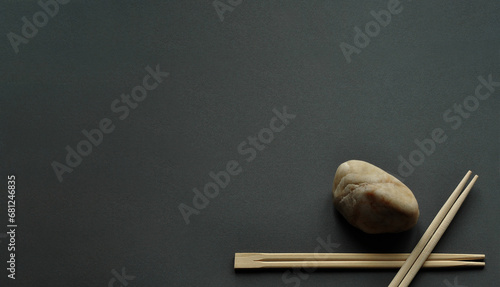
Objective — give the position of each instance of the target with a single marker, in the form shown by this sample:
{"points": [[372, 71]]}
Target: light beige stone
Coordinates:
{"points": [[373, 200]]}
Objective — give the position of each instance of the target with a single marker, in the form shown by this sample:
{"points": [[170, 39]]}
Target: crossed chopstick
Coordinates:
{"points": [[433, 234], [409, 264]]}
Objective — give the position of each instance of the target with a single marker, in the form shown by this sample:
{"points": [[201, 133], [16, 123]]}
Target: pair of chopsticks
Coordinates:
{"points": [[349, 260], [433, 233]]}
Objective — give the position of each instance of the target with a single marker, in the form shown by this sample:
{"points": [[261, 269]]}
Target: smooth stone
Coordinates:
{"points": [[373, 200]]}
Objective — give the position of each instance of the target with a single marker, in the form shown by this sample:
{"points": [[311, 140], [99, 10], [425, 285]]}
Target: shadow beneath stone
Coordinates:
{"points": [[402, 242]]}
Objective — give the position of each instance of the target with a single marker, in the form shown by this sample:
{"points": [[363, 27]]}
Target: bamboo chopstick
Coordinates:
{"points": [[349, 260], [349, 256], [432, 235]]}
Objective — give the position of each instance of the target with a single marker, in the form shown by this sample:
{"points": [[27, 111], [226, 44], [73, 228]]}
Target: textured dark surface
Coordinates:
{"points": [[120, 207]]}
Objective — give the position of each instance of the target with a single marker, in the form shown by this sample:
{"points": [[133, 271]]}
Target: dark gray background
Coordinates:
{"points": [[119, 208]]}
